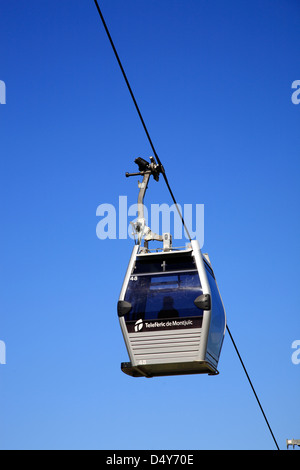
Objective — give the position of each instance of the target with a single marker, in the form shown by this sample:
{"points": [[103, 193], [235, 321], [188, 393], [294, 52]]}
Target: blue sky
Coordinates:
{"points": [[213, 81]]}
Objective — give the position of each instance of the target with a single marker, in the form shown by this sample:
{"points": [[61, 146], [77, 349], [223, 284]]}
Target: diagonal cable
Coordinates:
{"points": [[250, 382], [171, 192], [140, 115]]}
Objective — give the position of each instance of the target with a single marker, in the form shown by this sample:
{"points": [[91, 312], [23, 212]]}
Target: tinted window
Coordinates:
{"points": [[217, 325], [166, 295], [165, 263]]}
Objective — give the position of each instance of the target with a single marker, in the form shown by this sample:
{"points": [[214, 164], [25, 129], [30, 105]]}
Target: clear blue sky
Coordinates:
{"points": [[213, 81]]}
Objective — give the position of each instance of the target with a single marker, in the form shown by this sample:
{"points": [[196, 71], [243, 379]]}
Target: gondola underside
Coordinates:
{"points": [[160, 370], [167, 353]]}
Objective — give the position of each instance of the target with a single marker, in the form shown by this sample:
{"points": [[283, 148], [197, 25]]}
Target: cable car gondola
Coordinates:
{"points": [[170, 309]]}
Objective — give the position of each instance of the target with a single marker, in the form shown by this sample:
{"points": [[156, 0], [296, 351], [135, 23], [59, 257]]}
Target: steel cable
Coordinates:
{"points": [[172, 195]]}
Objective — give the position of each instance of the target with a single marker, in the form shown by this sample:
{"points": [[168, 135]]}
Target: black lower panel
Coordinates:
{"points": [[160, 370]]}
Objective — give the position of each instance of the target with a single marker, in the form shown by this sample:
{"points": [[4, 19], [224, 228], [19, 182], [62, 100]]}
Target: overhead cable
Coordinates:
{"points": [[250, 382], [171, 192], [140, 115]]}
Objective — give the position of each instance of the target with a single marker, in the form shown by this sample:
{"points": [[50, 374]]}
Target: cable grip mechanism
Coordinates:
{"points": [[141, 230]]}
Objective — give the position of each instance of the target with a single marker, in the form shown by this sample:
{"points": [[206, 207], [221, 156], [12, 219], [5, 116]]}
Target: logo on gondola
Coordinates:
{"points": [[138, 325]]}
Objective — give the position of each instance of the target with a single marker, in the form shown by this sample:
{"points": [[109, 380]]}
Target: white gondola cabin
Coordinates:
{"points": [[171, 314], [170, 309]]}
